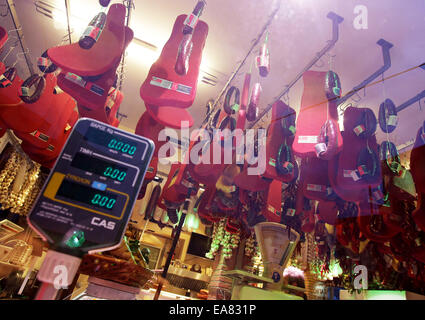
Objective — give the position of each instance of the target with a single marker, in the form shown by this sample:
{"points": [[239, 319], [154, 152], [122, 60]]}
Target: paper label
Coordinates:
{"points": [[166, 84], [4, 82], [92, 32], [191, 21], [263, 60], [355, 175], [290, 212], [187, 184], [307, 139], [95, 89], [75, 79], [348, 173], [362, 170], [271, 209], [359, 129], [316, 187], [40, 135], [392, 120], [25, 91], [43, 62]]}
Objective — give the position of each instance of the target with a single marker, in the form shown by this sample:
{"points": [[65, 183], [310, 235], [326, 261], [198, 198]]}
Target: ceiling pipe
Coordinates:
{"points": [[18, 28], [386, 46], [129, 5], [68, 10], [411, 101]]}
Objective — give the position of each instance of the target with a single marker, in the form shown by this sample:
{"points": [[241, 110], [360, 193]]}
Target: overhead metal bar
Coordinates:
{"points": [[411, 101], [386, 46], [20, 33], [336, 21], [174, 244], [240, 64], [68, 12], [129, 5]]}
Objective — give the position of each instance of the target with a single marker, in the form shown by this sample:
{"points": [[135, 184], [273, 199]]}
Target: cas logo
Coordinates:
{"points": [[103, 223]]}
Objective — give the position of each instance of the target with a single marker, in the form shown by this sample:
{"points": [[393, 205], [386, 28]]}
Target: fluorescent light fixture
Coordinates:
{"points": [[145, 54]]}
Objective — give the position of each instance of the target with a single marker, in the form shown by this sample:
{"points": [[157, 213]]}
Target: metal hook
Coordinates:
{"points": [[9, 37], [18, 56], [359, 97], [330, 60], [13, 30], [9, 52], [286, 97], [321, 62]]}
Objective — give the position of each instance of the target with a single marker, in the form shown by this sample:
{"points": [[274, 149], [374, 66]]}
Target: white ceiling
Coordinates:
{"points": [[298, 32]]}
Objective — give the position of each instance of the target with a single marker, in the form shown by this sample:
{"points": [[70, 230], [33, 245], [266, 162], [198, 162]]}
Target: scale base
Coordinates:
{"points": [[242, 291]]}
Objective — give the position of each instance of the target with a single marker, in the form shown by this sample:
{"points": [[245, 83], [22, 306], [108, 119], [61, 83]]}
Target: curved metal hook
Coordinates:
{"points": [[343, 108], [18, 56], [286, 97], [9, 52], [322, 63], [359, 97], [330, 60], [14, 30], [7, 10]]}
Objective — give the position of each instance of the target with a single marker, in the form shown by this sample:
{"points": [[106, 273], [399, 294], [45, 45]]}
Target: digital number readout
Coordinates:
{"points": [[99, 166], [114, 142], [85, 194]]}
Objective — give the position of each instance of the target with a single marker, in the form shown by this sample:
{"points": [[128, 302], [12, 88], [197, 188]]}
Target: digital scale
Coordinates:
{"points": [[87, 200]]}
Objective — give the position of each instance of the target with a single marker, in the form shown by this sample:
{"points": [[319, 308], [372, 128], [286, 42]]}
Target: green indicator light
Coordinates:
{"points": [[76, 240]]}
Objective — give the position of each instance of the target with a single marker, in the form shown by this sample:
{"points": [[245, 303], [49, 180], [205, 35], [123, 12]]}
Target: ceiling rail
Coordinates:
{"points": [[20, 33]]}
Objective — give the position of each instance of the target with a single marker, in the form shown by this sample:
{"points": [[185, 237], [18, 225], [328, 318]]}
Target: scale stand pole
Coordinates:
{"points": [[173, 246]]}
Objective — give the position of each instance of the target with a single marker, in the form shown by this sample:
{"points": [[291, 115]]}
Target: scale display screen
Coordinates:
{"points": [[88, 197], [118, 143], [99, 166]]}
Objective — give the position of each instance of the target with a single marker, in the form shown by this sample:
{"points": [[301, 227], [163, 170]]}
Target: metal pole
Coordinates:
{"points": [[129, 4], [174, 244], [411, 101], [68, 10], [171, 253], [18, 27]]}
